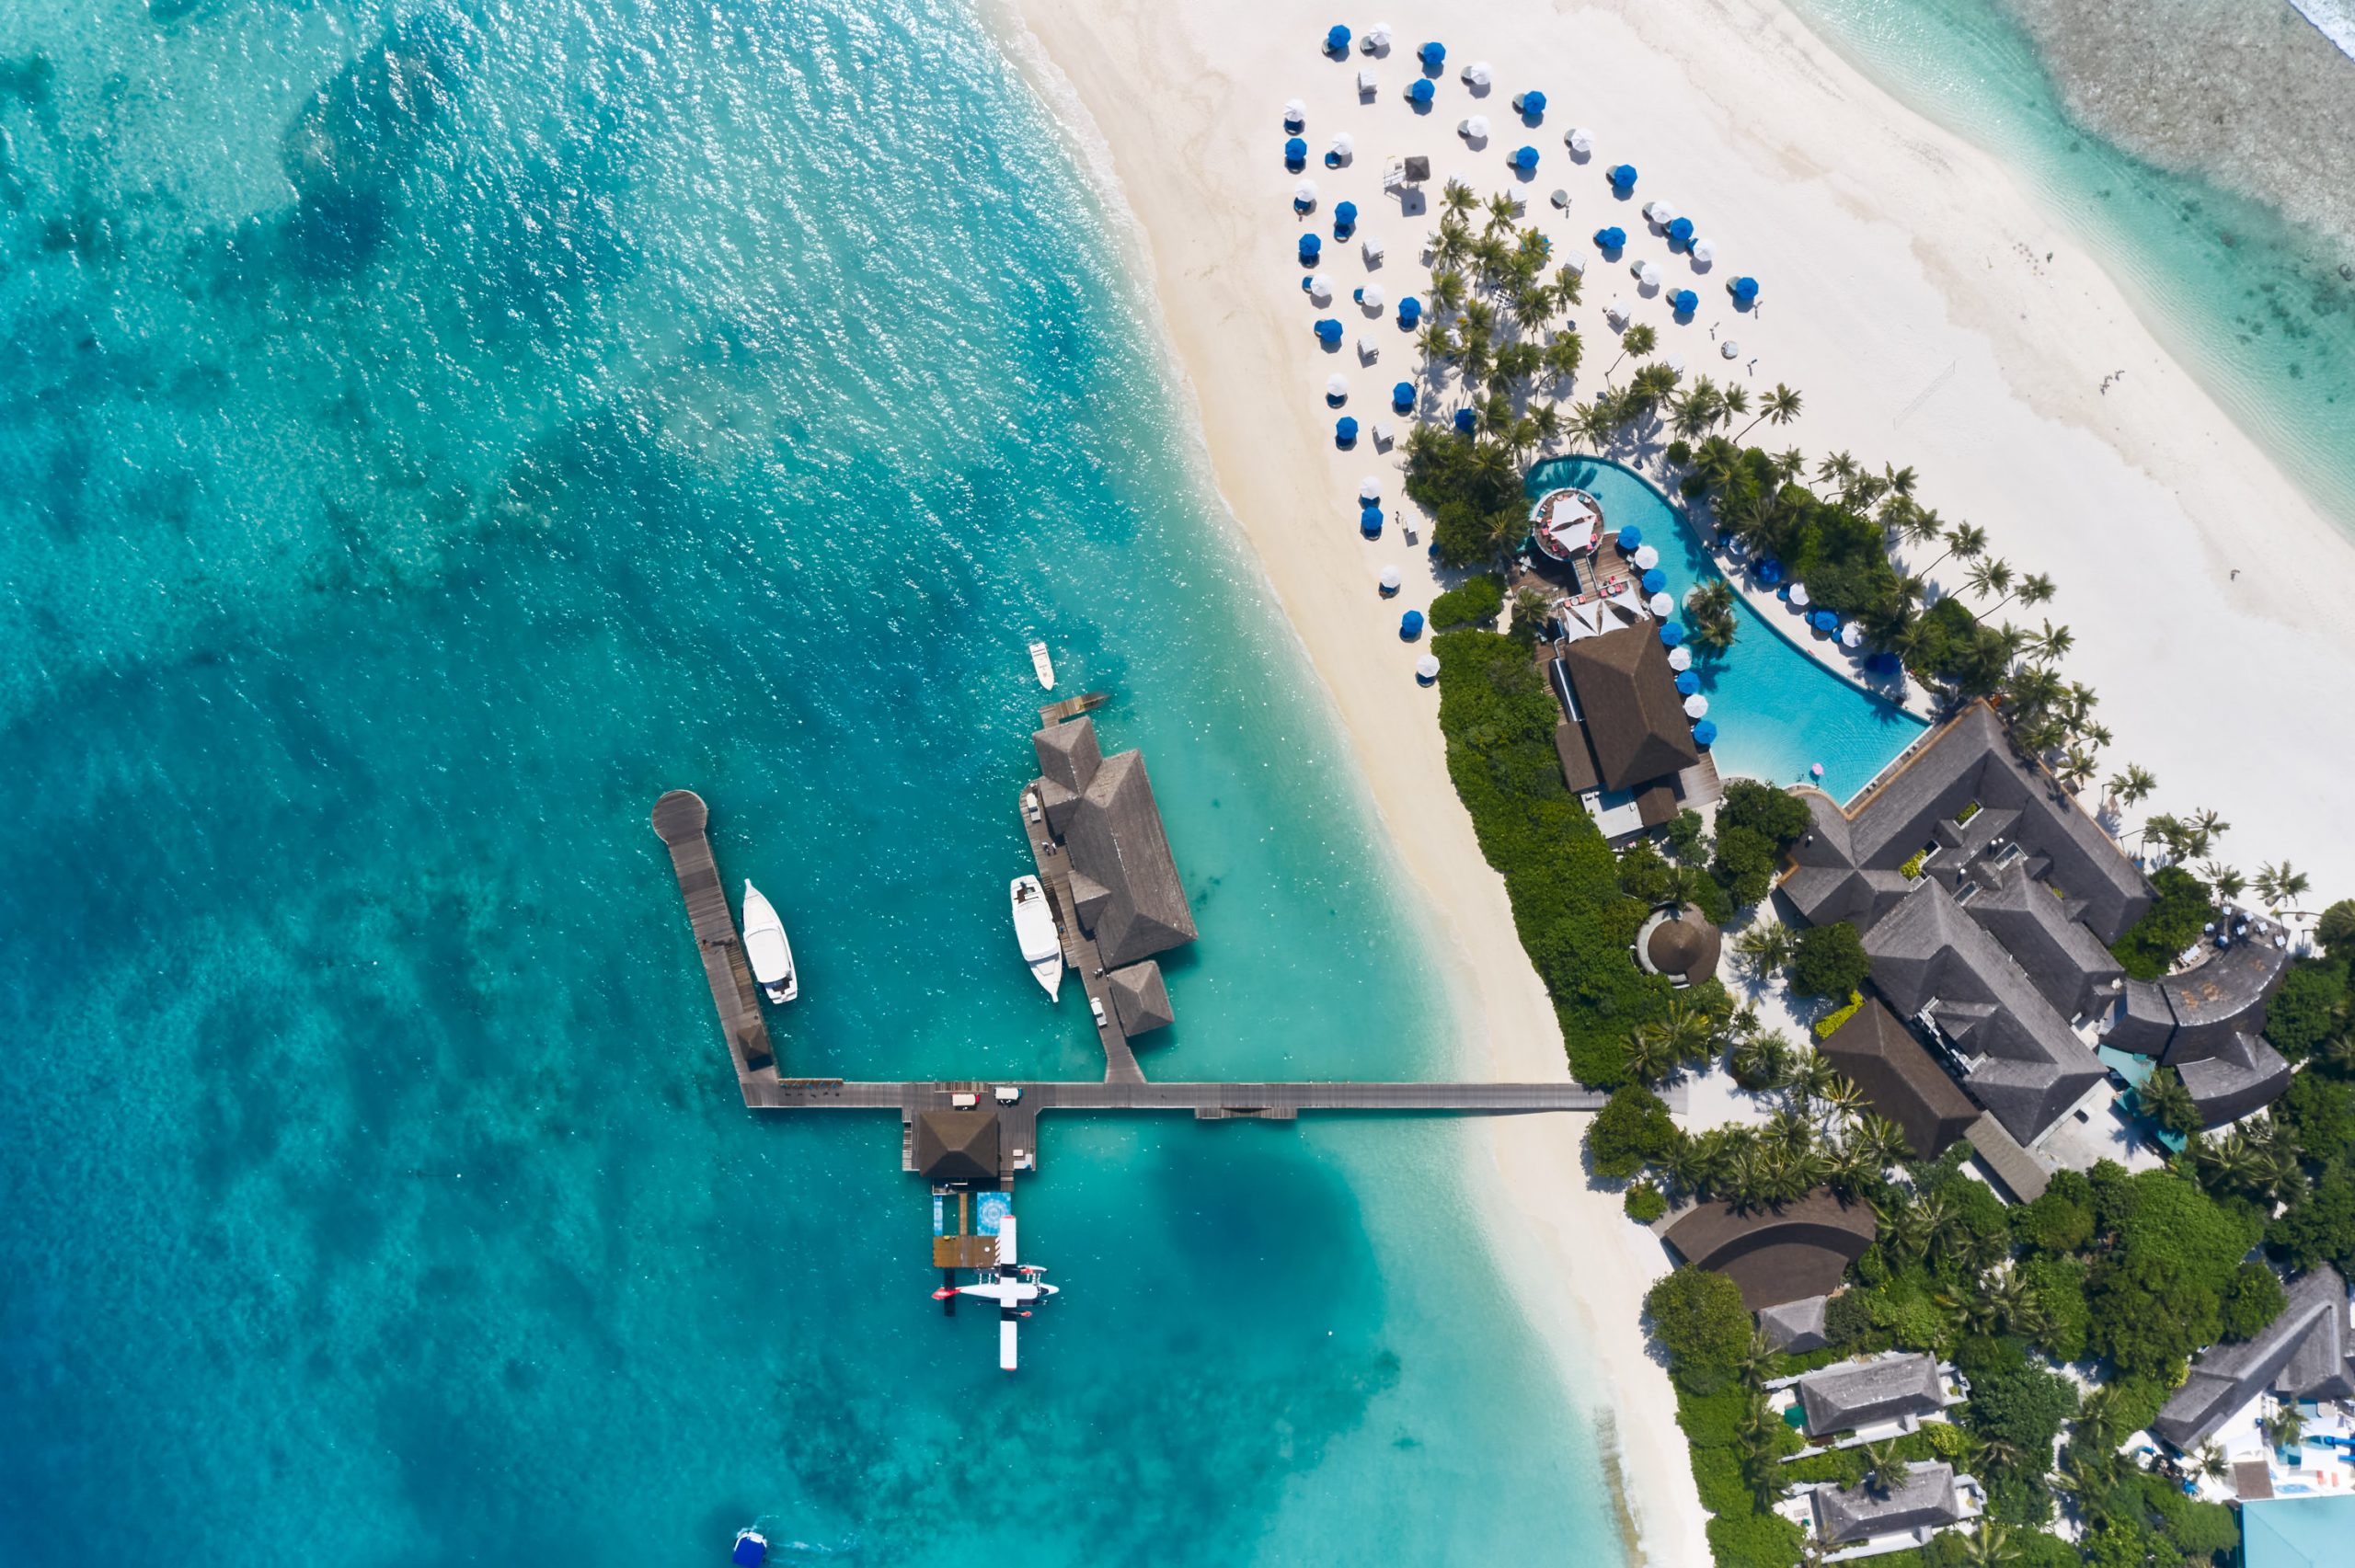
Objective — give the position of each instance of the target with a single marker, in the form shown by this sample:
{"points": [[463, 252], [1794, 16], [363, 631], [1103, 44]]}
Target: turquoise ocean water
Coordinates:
{"points": [[2261, 312], [400, 485]]}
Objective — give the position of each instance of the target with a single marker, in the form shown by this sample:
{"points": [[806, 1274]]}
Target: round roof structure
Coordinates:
{"points": [[1681, 945]]}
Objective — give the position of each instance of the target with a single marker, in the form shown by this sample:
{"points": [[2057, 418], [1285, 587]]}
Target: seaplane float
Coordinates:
{"points": [[1014, 1287]]}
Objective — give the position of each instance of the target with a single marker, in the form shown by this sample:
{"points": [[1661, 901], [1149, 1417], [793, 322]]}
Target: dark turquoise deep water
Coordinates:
{"points": [[427, 432]]}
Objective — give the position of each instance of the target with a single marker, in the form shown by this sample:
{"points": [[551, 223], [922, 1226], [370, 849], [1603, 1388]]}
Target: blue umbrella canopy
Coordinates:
{"points": [[1611, 238], [1825, 621], [1402, 396], [1421, 91], [1337, 39], [1654, 581], [1328, 331], [1705, 732], [1684, 302], [1434, 55], [1687, 682], [1532, 104], [1670, 633], [1345, 215], [1680, 231], [1345, 430], [1745, 289], [1410, 311], [1296, 151], [1525, 160], [1370, 518], [1410, 624], [1622, 177], [1630, 537], [1467, 420], [1884, 663], [1310, 246], [1770, 571]]}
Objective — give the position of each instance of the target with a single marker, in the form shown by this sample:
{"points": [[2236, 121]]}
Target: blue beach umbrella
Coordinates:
{"points": [[1770, 571], [1295, 154], [1345, 218], [1309, 249], [1825, 622], [1629, 538], [1402, 397], [1744, 290], [1410, 311], [1705, 732], [1622, 178], [1337, 39], [1420, 92], [1369, 521], [1525, 160], [1684, 302], [1328, 332], [1466, 421], [1611, 238], [1410, 625], [1433, 55], [1670, 633], [1687, 682], [1680, 231], [1345, 432], [1654, 581], [1532, 104], [1883, 663]]}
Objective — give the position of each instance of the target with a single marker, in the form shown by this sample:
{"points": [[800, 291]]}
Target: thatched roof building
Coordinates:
{"points": [[1776, 1254], [1123, 877], [957, 1146]]}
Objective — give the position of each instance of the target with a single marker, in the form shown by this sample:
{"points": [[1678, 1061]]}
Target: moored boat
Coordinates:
{"points": [[1034, 927], [764, 944], [1044, 666]]}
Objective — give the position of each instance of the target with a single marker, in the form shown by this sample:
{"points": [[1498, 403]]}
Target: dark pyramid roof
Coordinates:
{"points": [[1068, 753], [1685, 945], [1904, 1082], [1925, 1496], [1865, 1393], [1116, 840], [1140, 998], [1634, 716], [2302, 1353], [957, 1146], [1776, 1254]]}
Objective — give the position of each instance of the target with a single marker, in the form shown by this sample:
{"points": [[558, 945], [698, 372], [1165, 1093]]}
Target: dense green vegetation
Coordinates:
{"points": [[1477, 601], [1757, 824], [1830, 960], [2176, 916]]}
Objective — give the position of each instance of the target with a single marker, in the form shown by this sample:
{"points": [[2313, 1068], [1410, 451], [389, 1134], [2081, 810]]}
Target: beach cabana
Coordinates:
{"points": [[1579, 140], [1295, 154], [1402, 397], [1525, 160], [1479, 73], [1473, 128], [1705, 732], [1701, 252], [1345, 432], [1433, 57], [1337, 390], [1630, 538], [1679, 659], [1410, 311], [1466, 421], [1419, 92], [1697, 706], [1296, 117], [1369, 521], [1337, 39], [1410, 625], [1679, 231], [1611, 238], [1622, 178], [1745, 290], [1369, 83], [1670, 633], [1328, 332], [1532, 104], [1345, 218], [1344, 148], [1427, 670], [1389, 581], [1684, 302], [1687, 682]]}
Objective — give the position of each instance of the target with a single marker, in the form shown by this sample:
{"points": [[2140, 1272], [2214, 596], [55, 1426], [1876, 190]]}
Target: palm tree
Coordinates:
{"points": [[1877, 1140], [2034, 588], [2133, 786], [1638, 340], [2051, 642], [2223, 880], [1780, 406], [1839, 466], [1882, 1467], [1503, 211], [1567, 284], [1562, 355], [1760, 1060], [1990, 576], [1919, 525], [1447, 290], [2166, 1101], [1732, 404], [1458, 199], [2077, 769], [1435, 342], [1545, 425], [1964, 541], [1709, 608], [2286, 1425], [1843, 1098], [1593, 422], [2200, 829], [1987, 1546], [2276, 884], [1789, 466]]}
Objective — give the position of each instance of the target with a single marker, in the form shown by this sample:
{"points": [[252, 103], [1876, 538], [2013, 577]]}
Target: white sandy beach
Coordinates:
{"points": [[1931, 315]]}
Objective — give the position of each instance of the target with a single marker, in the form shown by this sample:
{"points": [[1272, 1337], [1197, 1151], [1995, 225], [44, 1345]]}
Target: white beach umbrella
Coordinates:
{"points": [[1479, 73], [1647, 274], [1377, 38], [1371, 296], [1336, 388], [1680, 657], [1703, 252], [1295, 111], [1850, 634], [1371, 249], [1320, 288], [1660, 212], [1369, 489], [1474, 128], [1646, 558], [1697, 706], [1580, 139], [1345, 146], [1427, 668], [1390, 579], [1798, 595], [1662, 605], [1305, 191], [1729, 349]]}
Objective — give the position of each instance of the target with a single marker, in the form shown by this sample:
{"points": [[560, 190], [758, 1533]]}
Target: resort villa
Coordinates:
{"points": [[1892, 1515], [1870, 1400], [1626, 742], [1123, 880], [2302, 1355]]}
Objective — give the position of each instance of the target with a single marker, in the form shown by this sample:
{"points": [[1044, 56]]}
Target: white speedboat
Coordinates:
{"points": [[1034, 927], [1042, 665], [765, 946]]}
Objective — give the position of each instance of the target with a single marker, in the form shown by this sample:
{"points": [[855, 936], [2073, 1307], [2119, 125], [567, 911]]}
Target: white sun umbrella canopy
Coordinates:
{"points": [[1703, 252], [1295, 111], [1680, 657], [1427, 668], [1390, 579], [1345, 146], [1798, 594], [1660, 212], [1647, 274], [1336, 388], [1320, 288], [1729, 349], [1372, 296], [1377, 36], [1474, 128], [1369, 489], [1697, 706], [1850, 634], [1479, 73], [1646, 558], [1660, 605], [1304, 192], [1580, 139]]}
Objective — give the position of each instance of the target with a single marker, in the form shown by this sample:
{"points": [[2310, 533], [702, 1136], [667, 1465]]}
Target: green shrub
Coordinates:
{"points": [[2320, 1114], [1646, 1202], [2173, 922], [1477, 601], [2136, 1401], [1848, 1319], [2254, 1301], [2056, 1284], [1631, 1130], [1755, 1540], [1699, 1317], [1744, 864], [2060, 1222], [2319, 1227], [1472, 488], [1777, 816], [1831, 961], [2335, 929], [1716, 1474], [1712, 1420], [2307, 1009], [1830, 1023]]}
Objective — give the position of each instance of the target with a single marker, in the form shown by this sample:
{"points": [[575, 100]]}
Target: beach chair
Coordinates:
{"points": [[1383, 435], [1368, 83], [1368, 350], [1394, 177]]}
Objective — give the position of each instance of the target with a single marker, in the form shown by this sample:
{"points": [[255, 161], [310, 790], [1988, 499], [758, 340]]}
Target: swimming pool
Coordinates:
{"points": [[1778, 712]]}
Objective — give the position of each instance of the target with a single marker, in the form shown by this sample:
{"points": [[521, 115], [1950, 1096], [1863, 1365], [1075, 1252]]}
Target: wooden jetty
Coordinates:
{"points": [[679, 819]]}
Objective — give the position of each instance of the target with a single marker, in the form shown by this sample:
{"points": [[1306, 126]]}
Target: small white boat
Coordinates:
{"points": [[765, 946], [1034, 927], [1043, 664]]}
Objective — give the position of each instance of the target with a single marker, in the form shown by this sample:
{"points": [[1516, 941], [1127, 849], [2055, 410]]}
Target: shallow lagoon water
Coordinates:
{"points": [[398, 489]]}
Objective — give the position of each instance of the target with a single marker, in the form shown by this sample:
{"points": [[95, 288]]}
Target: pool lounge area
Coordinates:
{"points": [[1778, 711]]}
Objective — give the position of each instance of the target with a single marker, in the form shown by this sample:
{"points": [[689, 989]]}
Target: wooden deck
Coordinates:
{"points": [[1207, 1102], [679, 819]]}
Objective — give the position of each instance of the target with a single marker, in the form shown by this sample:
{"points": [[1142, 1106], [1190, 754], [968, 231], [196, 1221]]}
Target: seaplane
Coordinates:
{"points": [[1014, 1287]]}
